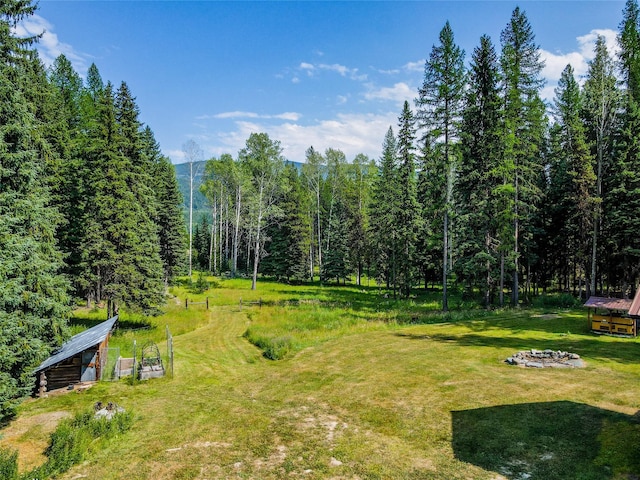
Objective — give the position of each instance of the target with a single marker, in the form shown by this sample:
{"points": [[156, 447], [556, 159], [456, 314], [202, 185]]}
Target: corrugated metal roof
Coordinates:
{"points": [[635, 306], [619, 304], [79, 343]]}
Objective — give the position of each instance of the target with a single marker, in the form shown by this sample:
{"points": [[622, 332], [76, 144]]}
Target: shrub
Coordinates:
{"points": [[558, 300], [273, 348], [73, 438]]}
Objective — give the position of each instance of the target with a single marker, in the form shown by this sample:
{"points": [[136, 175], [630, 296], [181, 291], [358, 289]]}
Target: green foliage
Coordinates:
{"points": [[288, 238], [559, 300], [201, 285], [475, 189], [440, 105], [75, 438], [274, 348], [33, 292], [8, 464]]}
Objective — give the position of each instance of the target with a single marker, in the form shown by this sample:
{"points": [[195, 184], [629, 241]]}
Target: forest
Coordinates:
{"points": [[481, 187]]}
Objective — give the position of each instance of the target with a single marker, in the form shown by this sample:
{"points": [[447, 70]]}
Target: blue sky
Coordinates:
{"points": [[327, 74]]}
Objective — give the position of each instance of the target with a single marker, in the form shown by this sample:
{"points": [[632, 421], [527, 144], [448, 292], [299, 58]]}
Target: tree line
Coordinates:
{"points": [[484, 186], [90, 208]]}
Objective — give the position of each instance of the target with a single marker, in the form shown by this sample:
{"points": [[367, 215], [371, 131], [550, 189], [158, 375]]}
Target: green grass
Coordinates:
{"points": [[366, 387]]}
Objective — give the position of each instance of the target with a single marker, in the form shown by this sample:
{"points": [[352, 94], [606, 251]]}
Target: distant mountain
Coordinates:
{"points": [[200, 204]]}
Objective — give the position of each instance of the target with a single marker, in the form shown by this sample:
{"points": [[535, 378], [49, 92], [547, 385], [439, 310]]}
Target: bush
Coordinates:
{"points": [[558, 300], [273, 348], [8, 464], [73, 438]]}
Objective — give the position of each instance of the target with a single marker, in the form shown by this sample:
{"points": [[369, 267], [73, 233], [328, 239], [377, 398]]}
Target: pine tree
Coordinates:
{"points": [[407, 220], [337, 259], [622, 196], [288, 238], [579, 177], [477, 179], [601, 104], [440, 106], [383, 213], [169, 201], [122, 254], [33, 293], [524, 115]]}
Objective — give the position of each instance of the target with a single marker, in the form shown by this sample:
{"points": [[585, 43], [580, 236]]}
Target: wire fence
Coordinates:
{"points": [[117, 367]]}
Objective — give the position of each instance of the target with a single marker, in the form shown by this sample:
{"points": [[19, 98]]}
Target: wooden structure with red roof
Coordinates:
{"points": [[614, 315]]}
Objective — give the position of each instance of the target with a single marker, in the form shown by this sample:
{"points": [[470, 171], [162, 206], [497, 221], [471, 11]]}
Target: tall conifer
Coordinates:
{"points": [[440, 104], [524, 115]]}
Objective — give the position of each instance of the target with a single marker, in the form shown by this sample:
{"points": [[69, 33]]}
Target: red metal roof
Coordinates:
{"points": [[619, 304], [635, 306]]}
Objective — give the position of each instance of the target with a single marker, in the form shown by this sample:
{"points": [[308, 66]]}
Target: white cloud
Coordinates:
{"points": [[414, 66], [293, 116], [342, 70], [176, 156], [49, 46], [579, 59], [556, 63], [397, 93], [352, 133], [588, 42]]}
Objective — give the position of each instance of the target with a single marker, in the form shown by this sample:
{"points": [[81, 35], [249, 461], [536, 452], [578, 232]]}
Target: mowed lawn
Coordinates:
{"points": [[361, 393]]}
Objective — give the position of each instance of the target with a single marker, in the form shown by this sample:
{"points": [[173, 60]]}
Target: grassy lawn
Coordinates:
{"points": [[367, 387]]}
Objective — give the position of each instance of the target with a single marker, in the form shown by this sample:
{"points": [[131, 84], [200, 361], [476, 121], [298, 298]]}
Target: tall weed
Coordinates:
{"points": [[73, 439], [8, 464]]}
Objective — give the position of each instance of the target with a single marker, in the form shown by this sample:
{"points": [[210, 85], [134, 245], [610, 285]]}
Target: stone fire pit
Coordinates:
{"points": [[545, 358]]}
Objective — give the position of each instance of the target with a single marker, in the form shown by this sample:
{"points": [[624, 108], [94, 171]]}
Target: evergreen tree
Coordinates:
{"points": [[575, 192], [407, 220], [601, 103], [337, 259], [622, 196], [440, 106], [288, 238], [122, 254], [477, 179], [360, 176], [524, 117], [384, 211], [33, 293], [169, 201], [201, 242]]}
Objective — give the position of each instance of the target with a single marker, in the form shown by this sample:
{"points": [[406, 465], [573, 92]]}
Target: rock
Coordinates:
{"points": [[535, 364], [334, 462]]}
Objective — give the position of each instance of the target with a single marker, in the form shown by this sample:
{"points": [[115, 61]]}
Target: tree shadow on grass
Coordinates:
{"points": [[549, 441], [620, 350]]}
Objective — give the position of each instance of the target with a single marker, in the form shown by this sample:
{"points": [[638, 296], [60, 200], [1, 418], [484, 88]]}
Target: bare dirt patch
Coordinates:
{"points": [[30, 436]]}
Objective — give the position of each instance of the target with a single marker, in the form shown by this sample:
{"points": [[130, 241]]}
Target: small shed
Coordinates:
{"points": [[613, 315], [81, 359]]}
